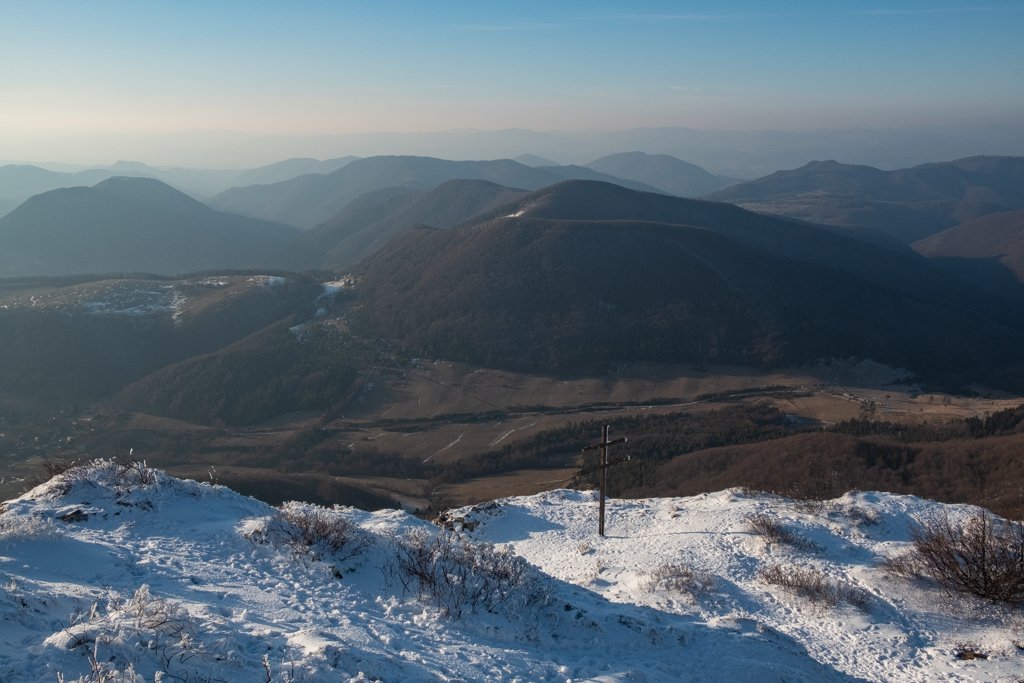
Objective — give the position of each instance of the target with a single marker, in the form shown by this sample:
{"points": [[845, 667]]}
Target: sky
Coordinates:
{"points": [[74, 69]]}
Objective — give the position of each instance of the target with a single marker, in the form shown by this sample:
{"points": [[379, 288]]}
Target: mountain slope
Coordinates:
{"points": [[667, 173], [897, 266], [123, 571], [130, 225], [530, 290], [23, 180], [69, 342], [995, 238], [310, 200], [372, 220], [288, 169], [908, 204]]}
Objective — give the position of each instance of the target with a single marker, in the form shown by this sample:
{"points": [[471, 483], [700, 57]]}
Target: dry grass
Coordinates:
{"points": [[815, 586], [773, 531]]}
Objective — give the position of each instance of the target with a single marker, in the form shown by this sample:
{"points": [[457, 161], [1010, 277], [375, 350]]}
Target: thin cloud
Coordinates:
{"points": [[936, 10], [518, 26], [638, 16]]}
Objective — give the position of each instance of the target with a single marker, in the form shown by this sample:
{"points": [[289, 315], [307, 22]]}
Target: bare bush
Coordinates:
{"points": [[968, 652], [458, 576], [982, 555], [144, 623], [815, 586], [679, 578], [773, 531], [309, 529], [813, 506], [323, 531]]}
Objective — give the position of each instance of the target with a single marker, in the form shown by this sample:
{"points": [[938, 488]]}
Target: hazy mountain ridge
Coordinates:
{"points": [[288, 169], [908, 204], [662, 171], [131, 225], [310, 200]]}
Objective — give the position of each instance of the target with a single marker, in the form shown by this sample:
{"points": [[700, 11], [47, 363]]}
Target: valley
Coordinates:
{"points": [[417, 437]]}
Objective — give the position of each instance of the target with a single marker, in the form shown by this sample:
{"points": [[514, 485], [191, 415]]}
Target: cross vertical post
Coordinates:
{"points": [[603, 465], [604, 477]]}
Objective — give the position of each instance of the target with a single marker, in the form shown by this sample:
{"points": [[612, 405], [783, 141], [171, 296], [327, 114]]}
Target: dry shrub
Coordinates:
{"points": [[815, 586], [982, 555], [773, 531], [458, 575], [320, 531], [679, 578], [969, 651]]}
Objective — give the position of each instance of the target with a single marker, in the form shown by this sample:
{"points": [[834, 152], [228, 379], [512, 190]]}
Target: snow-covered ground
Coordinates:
{"points": [[119, 573]]}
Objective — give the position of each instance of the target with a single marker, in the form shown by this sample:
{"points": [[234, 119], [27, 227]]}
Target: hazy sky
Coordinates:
{"points": [[332, 66]]}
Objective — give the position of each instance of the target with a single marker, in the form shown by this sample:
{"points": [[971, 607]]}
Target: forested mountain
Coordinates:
{"points": [[582, 275], [909, 204], [662, 171], [131, 225], [309, 200]]}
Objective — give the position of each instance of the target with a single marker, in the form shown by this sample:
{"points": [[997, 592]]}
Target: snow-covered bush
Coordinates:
{"points": [[982, 555], [814, 585], [324, 532], [679, 578], [121, 478], [144, 632], [27, 526], [310, 529], [458, 576]]}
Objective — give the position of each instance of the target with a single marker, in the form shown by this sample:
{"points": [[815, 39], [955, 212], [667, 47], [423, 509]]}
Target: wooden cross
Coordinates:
{"points": [[603, 465]]}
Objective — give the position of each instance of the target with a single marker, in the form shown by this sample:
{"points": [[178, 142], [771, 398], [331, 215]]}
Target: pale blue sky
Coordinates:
{"points": [[276, 67]]}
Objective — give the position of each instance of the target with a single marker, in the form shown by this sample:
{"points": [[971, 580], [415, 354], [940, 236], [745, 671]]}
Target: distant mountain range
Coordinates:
{"points": [[131, 225], [664, 172], [908, 204], [581, 275], [310, 200]]}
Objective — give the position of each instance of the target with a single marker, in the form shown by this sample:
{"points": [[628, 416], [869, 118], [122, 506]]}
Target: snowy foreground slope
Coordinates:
{"points": [[117, 573]]}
